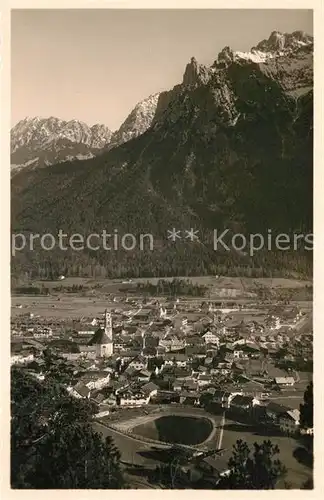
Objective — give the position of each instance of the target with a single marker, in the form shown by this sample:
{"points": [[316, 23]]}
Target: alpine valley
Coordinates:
{"points": [[230, 147]]}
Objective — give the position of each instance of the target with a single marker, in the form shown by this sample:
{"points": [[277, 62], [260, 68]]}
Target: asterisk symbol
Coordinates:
{"points": [[192, 234], [174, 234]]}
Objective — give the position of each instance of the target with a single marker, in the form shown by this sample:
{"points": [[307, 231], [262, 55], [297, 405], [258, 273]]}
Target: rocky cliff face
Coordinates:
{"points": [[284, 42], [137, 122], [40, 141], [229, 147]]}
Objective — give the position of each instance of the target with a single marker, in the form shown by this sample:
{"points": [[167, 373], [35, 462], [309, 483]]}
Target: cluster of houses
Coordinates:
{"points": [[252, 408], [171, 323], [111, 385], [219, 340], [168, 352]]}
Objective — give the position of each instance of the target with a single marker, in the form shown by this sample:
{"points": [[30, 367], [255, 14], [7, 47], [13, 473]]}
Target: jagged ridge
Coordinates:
{"points": [[229, 147], [44, 141], [39, 141]]}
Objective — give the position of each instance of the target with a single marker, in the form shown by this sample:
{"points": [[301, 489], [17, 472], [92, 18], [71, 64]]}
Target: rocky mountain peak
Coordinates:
{"points": [[226, 55], [235, 152], [278, 42], [101, 135], [43, 141], [191, 72], [195, 73], [138, 121]]}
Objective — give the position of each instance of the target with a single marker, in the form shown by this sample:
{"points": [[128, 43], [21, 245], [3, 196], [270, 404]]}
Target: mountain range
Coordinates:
{"points": [[39, 141], [231, 146]]}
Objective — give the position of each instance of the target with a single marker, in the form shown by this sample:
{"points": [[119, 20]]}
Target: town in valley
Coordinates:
{"points": [[161, 179], [222, 359]]}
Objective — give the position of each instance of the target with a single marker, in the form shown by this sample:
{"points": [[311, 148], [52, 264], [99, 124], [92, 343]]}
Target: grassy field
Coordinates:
{"points": [[222, 282], [69, 306], [99, 293]]}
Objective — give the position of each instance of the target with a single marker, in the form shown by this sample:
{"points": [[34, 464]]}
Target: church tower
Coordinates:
{"points": [[107, 348], [103, 338], [108, 325]]}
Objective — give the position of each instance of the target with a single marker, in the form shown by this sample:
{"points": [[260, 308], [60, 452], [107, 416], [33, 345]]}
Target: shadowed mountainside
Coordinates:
{"points": [[230, 147]]}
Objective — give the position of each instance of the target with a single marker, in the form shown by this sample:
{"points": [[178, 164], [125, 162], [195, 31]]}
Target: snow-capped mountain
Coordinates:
{"points": [[278, 44], [230, 147], [137, 122], [285, 57], [45, 141], [284, 42]]}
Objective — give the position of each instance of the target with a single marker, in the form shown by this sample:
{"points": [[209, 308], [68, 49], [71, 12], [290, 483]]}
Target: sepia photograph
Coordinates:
{"points": [[161, 184]]}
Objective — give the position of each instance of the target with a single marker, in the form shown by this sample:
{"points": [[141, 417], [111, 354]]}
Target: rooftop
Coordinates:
{"points": [[99, 338]]}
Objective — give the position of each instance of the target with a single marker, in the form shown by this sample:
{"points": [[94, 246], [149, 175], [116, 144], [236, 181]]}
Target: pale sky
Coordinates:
{"points": [[95, 65]]}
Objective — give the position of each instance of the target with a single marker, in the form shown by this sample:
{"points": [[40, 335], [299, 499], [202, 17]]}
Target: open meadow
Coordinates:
{"points": [[95, 295]]}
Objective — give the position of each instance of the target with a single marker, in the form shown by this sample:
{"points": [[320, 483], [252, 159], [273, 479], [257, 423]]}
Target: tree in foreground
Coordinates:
{"points": [[253, 470], [306, 451], [307, 408], [249, 470], [53, 444], [308, 484]]}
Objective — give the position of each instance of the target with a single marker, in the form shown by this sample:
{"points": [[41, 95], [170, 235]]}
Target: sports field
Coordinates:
{"points": [[136, 451]]}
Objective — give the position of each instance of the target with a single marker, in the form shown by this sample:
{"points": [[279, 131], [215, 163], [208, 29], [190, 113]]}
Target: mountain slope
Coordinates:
{"points": [[230, 147]]}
